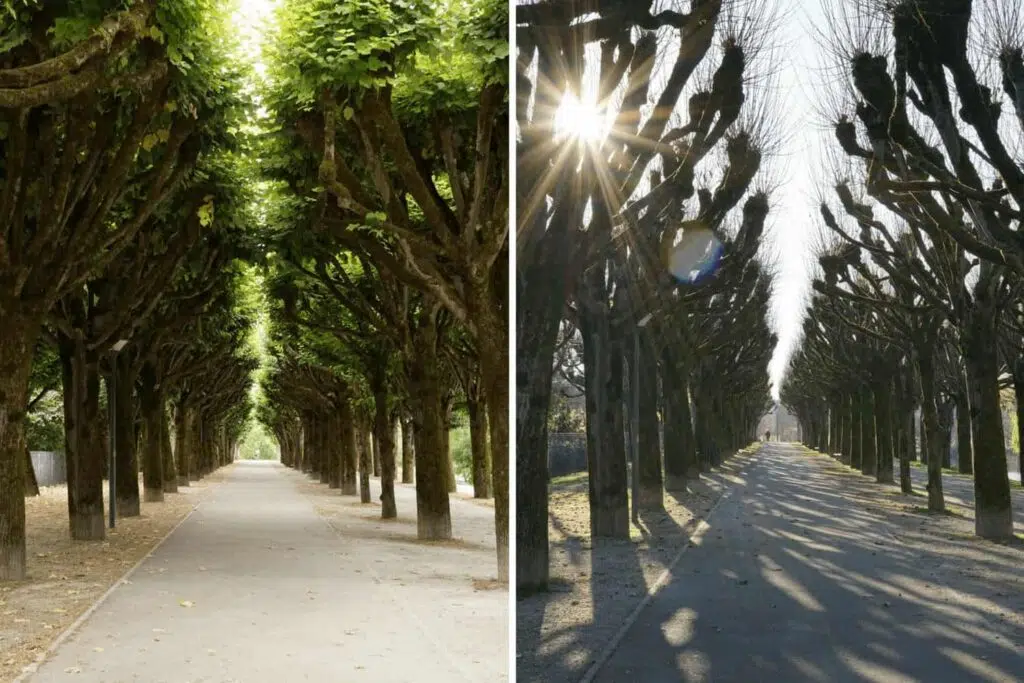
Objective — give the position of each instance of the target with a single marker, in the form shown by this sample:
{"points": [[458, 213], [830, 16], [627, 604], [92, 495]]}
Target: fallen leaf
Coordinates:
{"points": [[187, 603], [72, 670]]}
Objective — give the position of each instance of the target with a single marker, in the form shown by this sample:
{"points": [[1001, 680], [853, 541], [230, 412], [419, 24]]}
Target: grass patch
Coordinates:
{"points": [[950, 511], [567, 479], [945, 470]]}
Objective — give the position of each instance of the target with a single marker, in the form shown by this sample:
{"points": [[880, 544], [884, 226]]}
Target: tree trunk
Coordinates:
{"points": [[152, 460], [323, 450], [383, 438], [332, 446], [182, 430], [606, 457], [495, 400], [884, 431], [930, 435], [375, 454], [680, 442], [842, 444], [909, 447], [964, 449], [349, 451], [649, 484], [869, 444], [540, 287], [170, 470], [84, 452], [17, 343], [126, 464], [945, 408], [195, 451], [453, 485], [1018, 392], [922, 447], [365, 461], [408, 454], [857, 433], [433, 514], [992, 513], [477, 408], [849, 427]]}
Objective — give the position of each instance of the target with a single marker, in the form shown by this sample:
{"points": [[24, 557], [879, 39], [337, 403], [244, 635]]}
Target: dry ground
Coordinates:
{"points": [[66, 577], [560, 625]]}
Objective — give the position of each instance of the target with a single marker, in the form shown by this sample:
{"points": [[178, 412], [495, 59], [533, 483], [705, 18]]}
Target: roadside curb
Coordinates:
{"points": [[694, 539], [33, 668]]}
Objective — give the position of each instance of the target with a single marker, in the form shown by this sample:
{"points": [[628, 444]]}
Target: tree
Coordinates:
{"points": [[103, 107], [953, 189], [396, 139], [598, 219]]}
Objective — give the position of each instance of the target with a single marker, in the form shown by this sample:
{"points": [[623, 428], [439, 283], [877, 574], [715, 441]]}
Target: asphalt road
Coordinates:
{"points": [[804, 575], [255, 587]]}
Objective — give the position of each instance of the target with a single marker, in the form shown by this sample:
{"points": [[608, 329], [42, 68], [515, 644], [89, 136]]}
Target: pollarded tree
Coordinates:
{"points": [[950, 181], [408, 130], [102, 108], [114, 304], [654, 119]]}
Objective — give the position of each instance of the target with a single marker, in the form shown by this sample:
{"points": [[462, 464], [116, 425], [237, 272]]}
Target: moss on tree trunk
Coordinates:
{"points": [[478, 438], [17, 341]]}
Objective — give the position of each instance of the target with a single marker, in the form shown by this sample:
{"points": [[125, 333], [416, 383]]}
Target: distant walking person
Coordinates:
{"points": [[768, 435]]}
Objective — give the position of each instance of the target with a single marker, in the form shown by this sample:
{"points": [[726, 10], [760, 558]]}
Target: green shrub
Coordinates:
{"points": [[44, 426], [460, 447]]}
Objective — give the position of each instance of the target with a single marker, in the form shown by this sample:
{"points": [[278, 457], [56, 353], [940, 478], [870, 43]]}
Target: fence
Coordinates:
{"points": [[567, 453], [50, 468]]}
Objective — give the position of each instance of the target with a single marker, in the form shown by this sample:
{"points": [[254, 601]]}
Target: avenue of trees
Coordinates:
{"points": [[387, 162], [918, 295], [598, 216], [351, 203], [122, 217]]}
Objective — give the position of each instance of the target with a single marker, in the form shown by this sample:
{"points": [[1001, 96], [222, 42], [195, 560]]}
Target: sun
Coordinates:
{"points": [[581, 120]]}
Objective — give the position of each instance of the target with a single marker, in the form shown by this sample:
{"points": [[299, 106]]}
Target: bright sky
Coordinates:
{"points": [[251, 18], [793, 214]]}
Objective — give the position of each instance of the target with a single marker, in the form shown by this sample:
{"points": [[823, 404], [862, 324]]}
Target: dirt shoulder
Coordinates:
{"points": [[66, 577], [559, 633]]}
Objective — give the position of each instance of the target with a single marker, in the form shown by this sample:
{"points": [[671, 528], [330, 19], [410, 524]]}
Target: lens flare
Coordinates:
{"points": [[580, 120], [696, 256]]}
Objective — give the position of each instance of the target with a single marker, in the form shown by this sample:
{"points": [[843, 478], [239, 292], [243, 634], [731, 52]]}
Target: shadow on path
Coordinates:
{"points": [[812, 573], [597, 585]]}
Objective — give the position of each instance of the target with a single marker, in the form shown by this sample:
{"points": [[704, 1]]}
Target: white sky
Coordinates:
{"points": [[251, 18], [793, 216]]}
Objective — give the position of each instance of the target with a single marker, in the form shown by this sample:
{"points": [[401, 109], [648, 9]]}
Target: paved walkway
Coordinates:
{"points": [[808, 573], [255, 586]]}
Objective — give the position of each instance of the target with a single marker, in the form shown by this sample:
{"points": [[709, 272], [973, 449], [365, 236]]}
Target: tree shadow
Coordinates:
{"points": [[807, 575], [597, 584]]}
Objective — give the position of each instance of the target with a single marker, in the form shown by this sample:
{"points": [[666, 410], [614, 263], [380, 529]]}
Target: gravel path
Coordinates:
{"points": [[279, 579]]}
